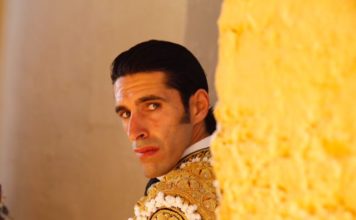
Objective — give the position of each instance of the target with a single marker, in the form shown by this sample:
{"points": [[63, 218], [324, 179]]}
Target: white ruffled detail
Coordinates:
{"points": [[161, 201]]}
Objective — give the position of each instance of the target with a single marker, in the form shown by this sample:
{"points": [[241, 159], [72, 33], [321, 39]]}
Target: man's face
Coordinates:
{"points": [[153, 118]]}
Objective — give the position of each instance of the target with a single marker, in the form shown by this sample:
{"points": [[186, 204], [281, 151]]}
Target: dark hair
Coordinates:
{"points": [[183, 71]]}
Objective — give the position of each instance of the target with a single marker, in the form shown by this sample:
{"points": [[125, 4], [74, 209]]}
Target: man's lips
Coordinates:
{"points": [[144, 152]]}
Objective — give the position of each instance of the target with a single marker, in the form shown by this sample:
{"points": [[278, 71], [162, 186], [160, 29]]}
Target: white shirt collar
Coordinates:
{"points": [[203, 143]]}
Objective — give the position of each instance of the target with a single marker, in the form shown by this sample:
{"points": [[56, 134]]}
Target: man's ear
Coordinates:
{"points": [[199, 106]]}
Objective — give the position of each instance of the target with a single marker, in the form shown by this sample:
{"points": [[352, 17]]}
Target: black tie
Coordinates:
{"points": [[150, 183]]}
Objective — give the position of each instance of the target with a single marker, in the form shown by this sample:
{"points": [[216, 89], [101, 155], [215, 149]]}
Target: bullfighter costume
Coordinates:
{"points": [[186, 192]]}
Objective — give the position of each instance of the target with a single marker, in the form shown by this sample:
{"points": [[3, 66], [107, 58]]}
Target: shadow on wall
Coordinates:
{"points": [[202, 36]]}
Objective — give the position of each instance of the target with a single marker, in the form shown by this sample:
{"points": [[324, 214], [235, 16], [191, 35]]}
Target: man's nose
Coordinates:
{"points": [[136, 128]]}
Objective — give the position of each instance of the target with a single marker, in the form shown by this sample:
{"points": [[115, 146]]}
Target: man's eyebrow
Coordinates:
{"points": [[150, 98], [140, 100], [120, 108]]}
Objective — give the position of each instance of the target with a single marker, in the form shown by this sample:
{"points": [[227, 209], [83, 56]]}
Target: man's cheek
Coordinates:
{"points": [[124, 126]]}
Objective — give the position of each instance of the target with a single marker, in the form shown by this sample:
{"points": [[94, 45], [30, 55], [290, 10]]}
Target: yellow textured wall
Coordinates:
{"points": [[286, 85]]}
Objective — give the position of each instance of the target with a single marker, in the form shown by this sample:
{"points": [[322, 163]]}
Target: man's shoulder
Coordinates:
{"points": [[186, 192], [197, 156]]}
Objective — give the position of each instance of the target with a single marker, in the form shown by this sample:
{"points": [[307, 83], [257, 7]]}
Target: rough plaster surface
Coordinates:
{"points": [[286, 85]]}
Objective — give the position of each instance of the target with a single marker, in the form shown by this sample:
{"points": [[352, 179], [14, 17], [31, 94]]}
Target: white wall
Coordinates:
{"points": [[63, 152], [2, 17]]}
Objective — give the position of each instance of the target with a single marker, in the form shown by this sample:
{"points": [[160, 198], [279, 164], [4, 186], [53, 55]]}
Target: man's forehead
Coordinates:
{"points": [[139, 84]]}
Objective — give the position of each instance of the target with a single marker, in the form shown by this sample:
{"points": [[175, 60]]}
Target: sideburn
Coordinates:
{"points": [[185, 119]]}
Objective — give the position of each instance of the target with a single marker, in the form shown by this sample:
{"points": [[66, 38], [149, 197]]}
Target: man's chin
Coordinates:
{"points": [[149, 173]]}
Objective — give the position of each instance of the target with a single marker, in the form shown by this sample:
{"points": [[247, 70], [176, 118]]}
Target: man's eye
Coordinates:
{"points": [[153, 106], [124, 114]]}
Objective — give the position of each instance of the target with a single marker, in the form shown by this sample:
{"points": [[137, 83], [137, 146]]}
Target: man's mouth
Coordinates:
{"points": [[144, 152]]}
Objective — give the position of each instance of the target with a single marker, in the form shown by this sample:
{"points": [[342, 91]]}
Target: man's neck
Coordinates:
{"points": [[199, 133], [203, 143]]}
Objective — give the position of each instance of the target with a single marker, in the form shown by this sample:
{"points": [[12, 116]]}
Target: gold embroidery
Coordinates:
{"points": [[168, 214], [191, 181]]}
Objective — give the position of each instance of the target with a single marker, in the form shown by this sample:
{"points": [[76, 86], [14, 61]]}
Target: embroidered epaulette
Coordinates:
{"points": [[186, 192]]}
